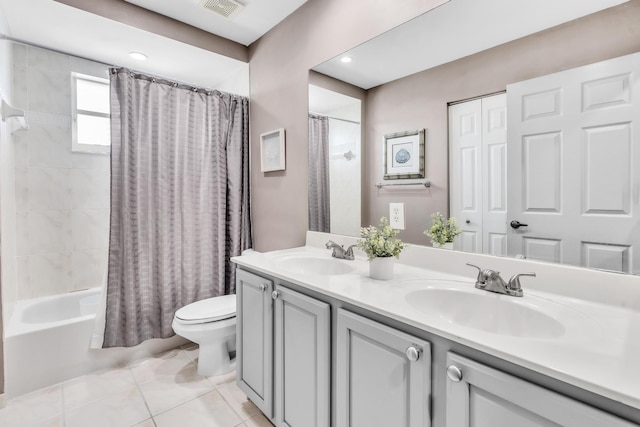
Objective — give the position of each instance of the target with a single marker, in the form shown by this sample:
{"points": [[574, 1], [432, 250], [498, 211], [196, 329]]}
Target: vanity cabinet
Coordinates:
{"points": [[284, 352], [383, 375], [478, 395], [254, 340]]}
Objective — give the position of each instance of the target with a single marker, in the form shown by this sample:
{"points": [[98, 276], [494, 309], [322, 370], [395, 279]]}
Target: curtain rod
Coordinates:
{"points": [[337, 118], [14, 40]]}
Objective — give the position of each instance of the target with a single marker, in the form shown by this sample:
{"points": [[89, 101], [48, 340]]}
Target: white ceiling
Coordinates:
{"points": [[454, 30], [257, 17], [324, 101], [56, 26]]}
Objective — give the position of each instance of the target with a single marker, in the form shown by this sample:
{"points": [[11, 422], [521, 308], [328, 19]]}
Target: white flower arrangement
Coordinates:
{"points": [[381, 241], [443, 231]]}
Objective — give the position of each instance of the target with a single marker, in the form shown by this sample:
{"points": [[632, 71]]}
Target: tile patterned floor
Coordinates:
{"points": [[160, 391]]}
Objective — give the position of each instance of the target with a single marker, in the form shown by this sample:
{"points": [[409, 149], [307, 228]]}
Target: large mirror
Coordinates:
{"points": [[422, 74]]}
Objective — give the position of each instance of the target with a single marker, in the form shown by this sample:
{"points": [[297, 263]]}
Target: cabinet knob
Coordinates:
{"points": [[454, 373], [275, 294], [263, 287], [413, 354]]}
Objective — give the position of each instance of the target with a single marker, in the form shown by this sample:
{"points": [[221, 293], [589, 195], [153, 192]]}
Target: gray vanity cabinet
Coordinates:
{"points": [[383, 375], [254, 346], [302, 360], [478, 395], [284, 352]]}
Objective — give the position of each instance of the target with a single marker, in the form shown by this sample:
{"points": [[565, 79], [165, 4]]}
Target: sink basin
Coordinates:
{"points": [[488, 312], [309, 264]]}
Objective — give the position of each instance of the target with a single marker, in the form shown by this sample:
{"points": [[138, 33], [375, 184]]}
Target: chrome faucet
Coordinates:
{"points": [[339, 251], [490, 280]]}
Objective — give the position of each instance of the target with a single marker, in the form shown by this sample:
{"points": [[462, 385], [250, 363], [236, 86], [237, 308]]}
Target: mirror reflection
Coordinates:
{"points": [[334, 162], [573, 183]]}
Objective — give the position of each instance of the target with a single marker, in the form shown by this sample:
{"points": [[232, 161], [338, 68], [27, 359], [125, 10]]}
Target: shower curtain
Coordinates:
{"points": [[179, 201], [319, 207]]}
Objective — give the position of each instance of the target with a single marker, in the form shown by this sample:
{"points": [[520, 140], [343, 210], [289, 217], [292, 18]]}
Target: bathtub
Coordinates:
{"points": [[47, 342]]}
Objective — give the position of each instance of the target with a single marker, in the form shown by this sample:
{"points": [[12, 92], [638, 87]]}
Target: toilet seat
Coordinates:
{"points": [[207, 310]]}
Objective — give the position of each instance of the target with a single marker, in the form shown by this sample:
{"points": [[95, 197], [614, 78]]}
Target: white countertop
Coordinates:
{"points": [[599, 350]]}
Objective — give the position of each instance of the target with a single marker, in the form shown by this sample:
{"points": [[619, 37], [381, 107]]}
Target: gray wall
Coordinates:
{"points": [[420, 100], [279, 70]]}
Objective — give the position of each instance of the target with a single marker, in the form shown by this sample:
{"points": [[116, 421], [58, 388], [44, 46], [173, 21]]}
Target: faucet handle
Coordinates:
{"points": [[330, 244], [348, 254], [514, 282], [481, 277]]}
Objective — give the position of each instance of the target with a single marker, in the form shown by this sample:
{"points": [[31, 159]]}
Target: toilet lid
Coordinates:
{"points": [[208, 310]]}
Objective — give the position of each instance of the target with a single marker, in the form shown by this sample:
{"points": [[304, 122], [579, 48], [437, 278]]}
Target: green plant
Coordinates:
{"points": [[443, 230], [380, 241]]}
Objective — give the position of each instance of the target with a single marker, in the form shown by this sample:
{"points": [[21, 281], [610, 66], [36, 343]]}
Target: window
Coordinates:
{"points": [[90, 114]]}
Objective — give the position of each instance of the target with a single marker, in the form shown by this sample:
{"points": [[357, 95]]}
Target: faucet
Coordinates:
{"points": [[339, 250], [490, 280]]}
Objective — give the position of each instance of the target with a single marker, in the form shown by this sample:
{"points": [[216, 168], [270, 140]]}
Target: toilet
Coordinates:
{"points": [[211, 323]]}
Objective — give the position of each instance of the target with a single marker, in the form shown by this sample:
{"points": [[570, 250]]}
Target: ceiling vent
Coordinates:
{"points": [[226, 8]]}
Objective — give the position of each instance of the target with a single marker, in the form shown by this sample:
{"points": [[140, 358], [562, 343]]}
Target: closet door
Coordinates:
{"points": [[573, 152], [465, 173], [478, 173]]}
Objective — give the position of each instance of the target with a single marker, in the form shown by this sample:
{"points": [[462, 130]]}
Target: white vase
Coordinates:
{"points": [[381, 268], [447, 245]]}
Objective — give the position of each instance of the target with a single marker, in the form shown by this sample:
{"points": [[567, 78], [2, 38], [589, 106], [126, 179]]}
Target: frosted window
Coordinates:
{"points": [[94, 130], [91, 118], [92, 96]]}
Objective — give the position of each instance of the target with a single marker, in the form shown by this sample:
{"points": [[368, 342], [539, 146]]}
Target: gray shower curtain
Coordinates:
{"points": [[319, 218], [179, 201]]}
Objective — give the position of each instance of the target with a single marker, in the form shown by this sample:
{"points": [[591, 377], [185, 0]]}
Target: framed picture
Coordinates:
{"points": [[404, 155], [272, 154]]}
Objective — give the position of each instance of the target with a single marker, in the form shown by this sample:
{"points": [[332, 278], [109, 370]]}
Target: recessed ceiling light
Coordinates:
{"points": [[138, 56], [345, 59]]}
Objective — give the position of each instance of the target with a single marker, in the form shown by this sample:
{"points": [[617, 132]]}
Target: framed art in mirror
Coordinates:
{"points": [[272, 151], [404, 155]]}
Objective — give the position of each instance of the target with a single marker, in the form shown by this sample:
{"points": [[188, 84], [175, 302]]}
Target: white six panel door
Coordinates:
{"points": [[478, 171], [573, 155]]}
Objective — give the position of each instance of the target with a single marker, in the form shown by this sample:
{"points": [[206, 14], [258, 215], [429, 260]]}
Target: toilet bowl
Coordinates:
{"points": [[211, 323]]}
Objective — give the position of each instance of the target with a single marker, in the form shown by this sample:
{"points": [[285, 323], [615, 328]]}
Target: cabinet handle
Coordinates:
{"points": [[413, 354], [263, 287], [275, 294], [454, 373]]}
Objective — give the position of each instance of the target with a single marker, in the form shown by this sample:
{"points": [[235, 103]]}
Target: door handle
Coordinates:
{"points": [[517, 224]]}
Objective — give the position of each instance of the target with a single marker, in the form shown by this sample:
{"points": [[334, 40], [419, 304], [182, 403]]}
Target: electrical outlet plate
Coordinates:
{"points": [[396, 215]]}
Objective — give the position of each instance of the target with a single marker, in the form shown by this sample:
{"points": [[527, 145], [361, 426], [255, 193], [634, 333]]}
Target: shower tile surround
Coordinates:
{"points": [[158, 391], [61, 197]]}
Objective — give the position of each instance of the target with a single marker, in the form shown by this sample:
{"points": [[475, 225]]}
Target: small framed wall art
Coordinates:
{"points": [[404, 155], [272, 151]]}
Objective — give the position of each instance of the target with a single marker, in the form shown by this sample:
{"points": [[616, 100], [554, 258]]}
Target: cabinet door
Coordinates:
{"points": [[383, 375], [302, 360], [480, 396], [255, 339]]}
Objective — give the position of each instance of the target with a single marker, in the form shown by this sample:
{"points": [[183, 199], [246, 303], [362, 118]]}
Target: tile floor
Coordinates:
{"points": [[160, 391]]}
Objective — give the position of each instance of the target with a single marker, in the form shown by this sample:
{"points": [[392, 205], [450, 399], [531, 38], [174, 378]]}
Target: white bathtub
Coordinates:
{"points": [[47, 342]]}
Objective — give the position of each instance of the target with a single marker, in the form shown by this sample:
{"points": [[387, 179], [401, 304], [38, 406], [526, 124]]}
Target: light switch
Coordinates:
{"points": [[396, 215]]}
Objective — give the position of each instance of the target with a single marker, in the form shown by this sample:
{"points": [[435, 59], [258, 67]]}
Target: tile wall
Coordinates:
{"points": [[61, 197]]}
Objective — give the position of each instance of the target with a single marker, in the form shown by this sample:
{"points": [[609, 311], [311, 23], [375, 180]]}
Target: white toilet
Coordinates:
{"points": [[211, 323]]}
